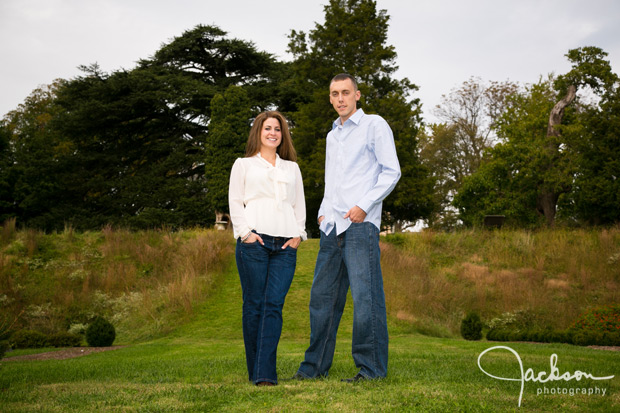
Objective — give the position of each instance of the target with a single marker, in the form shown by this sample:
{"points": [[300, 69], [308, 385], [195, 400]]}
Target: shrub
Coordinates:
{"points": [[28, 339], [560, 337], [610, 339], [471, 327], [492, 335], [100, 333], [64, 339], [586, 338], [601, 319], [4, 346]]}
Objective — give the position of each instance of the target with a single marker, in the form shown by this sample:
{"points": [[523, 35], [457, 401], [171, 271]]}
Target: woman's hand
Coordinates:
{"points": [[293, 243], [253, 237]]}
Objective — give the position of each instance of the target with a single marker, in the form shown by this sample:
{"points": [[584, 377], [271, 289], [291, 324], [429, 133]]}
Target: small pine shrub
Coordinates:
{"points": [[100, 333], [28, 339], [64, 339], [471, 327]]}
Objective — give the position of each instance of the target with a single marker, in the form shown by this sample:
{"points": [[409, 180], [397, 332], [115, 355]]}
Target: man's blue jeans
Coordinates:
{"points": [[266, 272], [349, 259]]}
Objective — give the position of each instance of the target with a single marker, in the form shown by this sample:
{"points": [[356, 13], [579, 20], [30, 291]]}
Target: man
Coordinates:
{"points": [[361, 169]]}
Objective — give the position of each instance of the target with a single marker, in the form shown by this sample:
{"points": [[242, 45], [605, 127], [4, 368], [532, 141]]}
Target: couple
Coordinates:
{"points": [[268, 213]]}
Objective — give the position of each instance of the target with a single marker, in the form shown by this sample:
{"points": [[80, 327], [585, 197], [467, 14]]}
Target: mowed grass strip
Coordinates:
{"points": [[201, 367]]}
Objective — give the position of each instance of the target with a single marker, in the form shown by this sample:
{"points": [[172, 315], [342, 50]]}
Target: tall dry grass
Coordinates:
{"points": [[145, 282], [432, 279]]}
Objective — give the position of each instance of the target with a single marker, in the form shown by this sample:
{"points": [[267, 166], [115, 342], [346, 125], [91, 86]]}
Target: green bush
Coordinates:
{"points": [[28, 339], [100, 333], [471, 327], [64, 339], [601, 320], [610, 339], [4, 346]]}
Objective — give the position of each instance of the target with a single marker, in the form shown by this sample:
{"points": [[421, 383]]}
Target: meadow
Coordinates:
{"points": [[194, 360], [549, 277]]}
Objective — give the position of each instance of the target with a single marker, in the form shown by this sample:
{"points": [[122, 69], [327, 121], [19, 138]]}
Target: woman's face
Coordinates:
{"points": [[270, 134]]}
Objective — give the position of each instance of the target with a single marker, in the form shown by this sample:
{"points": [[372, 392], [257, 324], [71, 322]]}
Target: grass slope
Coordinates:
{"points": [[201, 367]]}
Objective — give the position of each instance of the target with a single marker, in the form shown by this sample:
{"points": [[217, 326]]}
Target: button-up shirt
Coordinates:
{"points": [[267, 198], [361, 168]]}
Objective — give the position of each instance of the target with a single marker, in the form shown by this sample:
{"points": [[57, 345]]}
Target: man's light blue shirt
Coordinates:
{"points": [[361, 168]]}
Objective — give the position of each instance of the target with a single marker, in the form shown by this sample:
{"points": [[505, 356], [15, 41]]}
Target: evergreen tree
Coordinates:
{"points": [[228, 134], [140, 135], [353, 40]]}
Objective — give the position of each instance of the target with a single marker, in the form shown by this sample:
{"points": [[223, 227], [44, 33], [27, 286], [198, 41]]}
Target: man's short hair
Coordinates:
{"points": [[344, 76]]}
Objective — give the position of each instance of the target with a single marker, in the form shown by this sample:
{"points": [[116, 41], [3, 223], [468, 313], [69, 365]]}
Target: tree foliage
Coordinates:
{"points": [[228, 134], [154, 145], [454, 149], [507, 182], [34, 160], [551, 152], [338, 45], [596, 189], [128, 147]]}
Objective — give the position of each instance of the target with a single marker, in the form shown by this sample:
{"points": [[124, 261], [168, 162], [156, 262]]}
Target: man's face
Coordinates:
{"points": [[344, 97]]}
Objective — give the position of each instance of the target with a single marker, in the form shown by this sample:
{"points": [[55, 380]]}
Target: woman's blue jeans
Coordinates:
{"points": [[349, 259], [266, 272]]}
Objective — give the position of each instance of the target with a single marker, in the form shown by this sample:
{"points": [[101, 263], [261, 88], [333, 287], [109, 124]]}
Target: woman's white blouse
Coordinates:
{"points": [[267, 199]]}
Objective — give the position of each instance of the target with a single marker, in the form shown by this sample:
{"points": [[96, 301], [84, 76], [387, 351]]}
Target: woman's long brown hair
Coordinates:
{"points": [[286, 150]]}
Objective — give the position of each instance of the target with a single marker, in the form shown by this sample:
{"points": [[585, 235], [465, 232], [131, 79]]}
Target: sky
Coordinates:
{"points": [[440, 43]]}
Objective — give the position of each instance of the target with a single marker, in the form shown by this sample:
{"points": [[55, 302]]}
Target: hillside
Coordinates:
{"points": [[200, 367]]}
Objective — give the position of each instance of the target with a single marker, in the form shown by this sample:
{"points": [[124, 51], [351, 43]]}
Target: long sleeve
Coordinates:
{"points": [[361, 168], [265, 198], [236, 194], [300, 204], [385, 152]]}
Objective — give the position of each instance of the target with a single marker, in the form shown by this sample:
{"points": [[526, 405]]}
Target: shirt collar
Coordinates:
{"points": [[278, 160], [355, 118]]}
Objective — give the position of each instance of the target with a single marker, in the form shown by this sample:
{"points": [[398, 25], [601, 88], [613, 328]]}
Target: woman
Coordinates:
{"points": [[268, 213]]}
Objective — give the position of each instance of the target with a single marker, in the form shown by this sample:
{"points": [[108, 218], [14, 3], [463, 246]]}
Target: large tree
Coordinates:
{"points": [[128, 147], [595, 197], [591, 69], [455, 148], [34, 162], [353, 39], [549, 139]]}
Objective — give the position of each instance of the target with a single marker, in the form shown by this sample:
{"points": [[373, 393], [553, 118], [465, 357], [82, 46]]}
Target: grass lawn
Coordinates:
{"points": [[201, 367]]}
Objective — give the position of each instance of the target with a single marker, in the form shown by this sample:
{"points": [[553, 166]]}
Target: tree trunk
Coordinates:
{"points": [[555, 118], [548, 198], [547, 202]]}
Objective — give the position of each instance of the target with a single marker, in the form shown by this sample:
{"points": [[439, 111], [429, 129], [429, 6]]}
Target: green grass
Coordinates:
{"points": [[435, 278], [201, 367]]}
